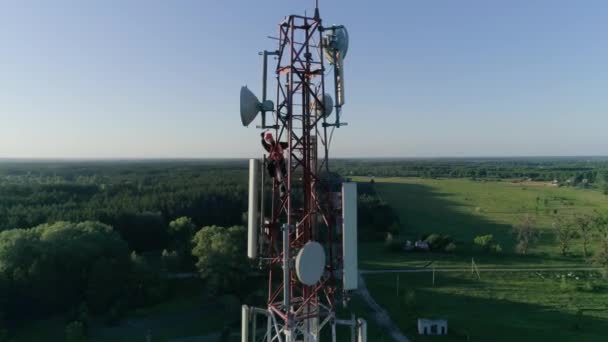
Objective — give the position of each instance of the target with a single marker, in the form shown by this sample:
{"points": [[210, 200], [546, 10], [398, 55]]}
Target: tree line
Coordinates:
{"points": [[375, 217], [136, 199], [575, 171], [99, 239]]}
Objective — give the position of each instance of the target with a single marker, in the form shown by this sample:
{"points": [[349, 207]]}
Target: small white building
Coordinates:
{"points": [[421, 245], [432, 326]]}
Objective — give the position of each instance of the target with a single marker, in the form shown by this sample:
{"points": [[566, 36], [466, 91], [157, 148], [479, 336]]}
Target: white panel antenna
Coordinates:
{"points": [[252, 209], [349, 238]]}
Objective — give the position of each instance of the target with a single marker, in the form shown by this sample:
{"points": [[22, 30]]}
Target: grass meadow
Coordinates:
{"points": [[501, 306]]}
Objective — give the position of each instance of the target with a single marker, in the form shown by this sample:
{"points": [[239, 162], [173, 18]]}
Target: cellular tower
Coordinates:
{"points": [[302, 219]]}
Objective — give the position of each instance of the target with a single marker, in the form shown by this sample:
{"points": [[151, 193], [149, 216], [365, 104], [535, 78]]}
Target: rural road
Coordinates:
{"points": [[186, 275], [482, 269], [380, 315]]}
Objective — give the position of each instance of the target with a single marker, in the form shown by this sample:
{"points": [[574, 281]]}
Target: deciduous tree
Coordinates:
{"points": [[565, 233], [584, 224], [221, 258], [526, 233], [601, 232]]}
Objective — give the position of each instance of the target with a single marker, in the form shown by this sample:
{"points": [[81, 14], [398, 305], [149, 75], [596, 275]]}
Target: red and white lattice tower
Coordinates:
{"points": [[305, 238]]}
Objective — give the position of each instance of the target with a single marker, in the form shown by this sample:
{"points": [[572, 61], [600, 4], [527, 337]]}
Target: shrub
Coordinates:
{"points": [[392, 243], [563, 285], [521, 248], [394, 228], [74, 332], [79, 313], [230, 306], [114, 315], [496, 248], [225, 335], [589, 286], [443, 242], [486, 243], [433, 240], [438, 242], [450, 248], [409, 299], [3, 335], [483, 241], [170, 260]]}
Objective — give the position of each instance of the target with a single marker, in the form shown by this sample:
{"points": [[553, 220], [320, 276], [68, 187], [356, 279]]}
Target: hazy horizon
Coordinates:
{"points": [[160, 80], [186, 159]]}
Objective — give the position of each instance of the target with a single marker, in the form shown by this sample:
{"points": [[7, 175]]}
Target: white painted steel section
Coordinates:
{"points": [[252, 210], [244, 323], [362, 330], [349, 237], [286, 268]]}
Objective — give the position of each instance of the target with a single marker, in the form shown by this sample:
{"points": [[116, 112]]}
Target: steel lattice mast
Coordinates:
{"points": [[300, 87], [311, 211]]}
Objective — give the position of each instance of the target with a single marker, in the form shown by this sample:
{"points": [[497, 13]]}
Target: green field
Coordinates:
{"points": [[464, 208], [530, 306], [505, 306], [499, 307]]}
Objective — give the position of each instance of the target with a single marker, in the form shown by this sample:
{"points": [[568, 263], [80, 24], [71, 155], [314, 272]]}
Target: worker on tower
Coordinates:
{"points": [[276, 161]]}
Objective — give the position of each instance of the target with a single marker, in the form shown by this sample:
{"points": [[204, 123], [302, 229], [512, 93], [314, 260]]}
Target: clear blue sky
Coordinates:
{"points": [[115, 79]]}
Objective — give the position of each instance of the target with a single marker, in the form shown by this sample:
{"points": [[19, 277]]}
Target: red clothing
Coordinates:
{"points": [[275, 151]]}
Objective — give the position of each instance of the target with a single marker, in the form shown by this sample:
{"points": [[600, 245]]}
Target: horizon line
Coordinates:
{"points": [[75, 159]]}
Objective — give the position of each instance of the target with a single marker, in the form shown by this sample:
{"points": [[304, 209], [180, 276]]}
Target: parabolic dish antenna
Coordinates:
{"points": [[335, 43], [328, 104], [251, 106], [310, 263]]}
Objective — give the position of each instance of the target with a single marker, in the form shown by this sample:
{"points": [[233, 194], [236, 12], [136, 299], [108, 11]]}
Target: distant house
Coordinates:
{"points": [[432, 326], [421, 245], [408, 246]]}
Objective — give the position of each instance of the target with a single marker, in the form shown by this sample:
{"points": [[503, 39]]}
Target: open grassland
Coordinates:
{"points": [[464, 209], [501, 306]]}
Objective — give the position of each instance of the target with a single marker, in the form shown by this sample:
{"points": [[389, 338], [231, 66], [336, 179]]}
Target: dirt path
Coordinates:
{"points": [[484, 269], [380, 315]]}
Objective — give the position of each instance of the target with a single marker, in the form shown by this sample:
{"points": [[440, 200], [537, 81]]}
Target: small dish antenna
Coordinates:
{"points": [[251, 106], [335, 47], [328, 106], [335, 43], [310, 263]]}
